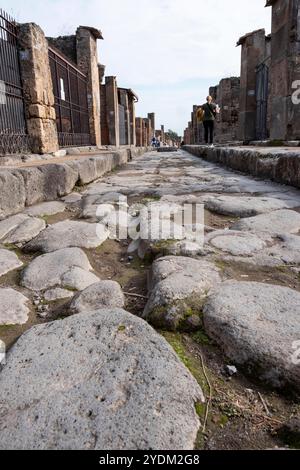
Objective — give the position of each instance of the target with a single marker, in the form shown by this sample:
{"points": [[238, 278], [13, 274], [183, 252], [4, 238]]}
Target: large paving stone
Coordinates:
{"points": [[104, 294], [105, 380], [241, 206], [178, 289], [68, 267], [282, 221], [288, 249], [8, 261], [13, 307], [20, 228], [237, 243], [11, 223], [26, 231], [46, 208], [257, 325], [78, 279], [68, 234]]}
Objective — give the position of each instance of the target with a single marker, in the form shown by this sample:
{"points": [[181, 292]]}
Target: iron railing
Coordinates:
{"points": [[71, 105], [13, 132]]}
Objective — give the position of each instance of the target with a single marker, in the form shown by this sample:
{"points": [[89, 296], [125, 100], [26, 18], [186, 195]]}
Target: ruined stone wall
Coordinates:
{"points": [[38, 89], [66, 45], [228, 98], [285, 69], [253, 54]]}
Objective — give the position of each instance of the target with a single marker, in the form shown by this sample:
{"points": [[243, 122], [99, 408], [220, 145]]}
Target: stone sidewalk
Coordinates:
{"points": [[280, 164], [38, 180]]}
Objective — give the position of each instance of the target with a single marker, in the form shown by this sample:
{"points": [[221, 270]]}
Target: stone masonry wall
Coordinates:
{"points": [[253, 54], [38, 90], [87, 60], [285, 68], [228, 98]]}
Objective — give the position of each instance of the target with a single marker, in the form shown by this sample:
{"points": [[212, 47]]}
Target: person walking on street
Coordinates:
{"points": [[210, 111]]}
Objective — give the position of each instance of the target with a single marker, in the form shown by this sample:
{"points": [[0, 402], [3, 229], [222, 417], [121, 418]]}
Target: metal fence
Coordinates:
{"points": [[13, 133], [71, 105]]}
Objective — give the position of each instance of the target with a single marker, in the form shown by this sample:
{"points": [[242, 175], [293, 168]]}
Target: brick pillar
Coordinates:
{"points": [[87, 60], [132, 121], [125, 102], [253, 54], [112, 109], [151, 117], [285, 69], [38, 89], [145, 132], [139, 132], [162, 133]]}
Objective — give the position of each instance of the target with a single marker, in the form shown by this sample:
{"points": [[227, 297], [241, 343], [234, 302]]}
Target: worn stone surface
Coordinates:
{"points": [[13, 307], [57, 294], [256, 325], [104, 294], [112, 379], [25, 231], [282, 221], [59, 268], [72, 198], [178, 289], [247, 206], [68, 234], [78, 278], [237, 244], [13, 195], [8, 261], [46, 208], [11, 223]]}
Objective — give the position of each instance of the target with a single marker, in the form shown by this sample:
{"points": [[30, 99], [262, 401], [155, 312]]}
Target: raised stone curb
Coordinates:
{"points": [[282, 166], [26, 186]]}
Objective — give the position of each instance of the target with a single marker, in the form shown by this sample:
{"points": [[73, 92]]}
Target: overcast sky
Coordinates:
{"points": [[168, 51]]}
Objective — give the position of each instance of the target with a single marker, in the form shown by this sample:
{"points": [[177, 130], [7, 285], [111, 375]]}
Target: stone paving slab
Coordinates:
{"points": [[13, 307], [109, 381], [8, 261]]}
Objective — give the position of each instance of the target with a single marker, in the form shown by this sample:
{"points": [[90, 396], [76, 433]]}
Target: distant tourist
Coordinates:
{"points": [[210, 111], [153, 142]]}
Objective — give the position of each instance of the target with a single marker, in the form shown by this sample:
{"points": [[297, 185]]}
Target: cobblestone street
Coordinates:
{"points": [[207, 301]]}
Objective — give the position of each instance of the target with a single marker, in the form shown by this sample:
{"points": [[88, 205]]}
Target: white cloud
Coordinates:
{"points": [[157, 42]]}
